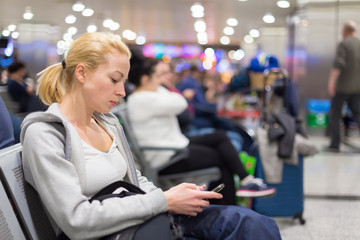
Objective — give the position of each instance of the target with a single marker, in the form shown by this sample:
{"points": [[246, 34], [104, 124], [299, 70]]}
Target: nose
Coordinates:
{"points": [[120, 90]]}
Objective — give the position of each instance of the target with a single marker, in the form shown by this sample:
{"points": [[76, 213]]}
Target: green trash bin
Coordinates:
{"points": [[318, 120]]}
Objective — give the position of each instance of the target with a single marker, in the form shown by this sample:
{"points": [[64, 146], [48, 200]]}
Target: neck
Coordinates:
{"points": [[17, 79], [145, 88], [75, 110]]}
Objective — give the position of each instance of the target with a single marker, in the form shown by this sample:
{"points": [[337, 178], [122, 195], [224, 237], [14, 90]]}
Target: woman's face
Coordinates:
{"points": [[104, 86]]}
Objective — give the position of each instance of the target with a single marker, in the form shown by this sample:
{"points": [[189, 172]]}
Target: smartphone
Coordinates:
{"points": [[219, 188]]}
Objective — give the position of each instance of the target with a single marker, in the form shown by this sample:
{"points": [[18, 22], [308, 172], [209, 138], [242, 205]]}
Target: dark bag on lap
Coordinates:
{"points": [[159, 227]]}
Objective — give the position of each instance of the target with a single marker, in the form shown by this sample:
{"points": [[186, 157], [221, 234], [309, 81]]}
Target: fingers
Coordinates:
{"points": [[189, 185], [196, 211], [211, 195]]}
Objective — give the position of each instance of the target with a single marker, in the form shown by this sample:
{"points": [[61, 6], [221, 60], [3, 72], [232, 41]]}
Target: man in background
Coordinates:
{"points": [[344, 82]]}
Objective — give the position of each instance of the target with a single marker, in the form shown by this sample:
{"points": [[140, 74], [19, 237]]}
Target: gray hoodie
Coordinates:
{"points": [[53, 163]]}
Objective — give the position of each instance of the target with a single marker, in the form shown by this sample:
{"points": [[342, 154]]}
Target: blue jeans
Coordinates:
{"points": [[228, 222]]}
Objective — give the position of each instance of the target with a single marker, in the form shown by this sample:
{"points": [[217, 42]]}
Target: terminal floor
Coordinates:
{"points": [[332, 195]]}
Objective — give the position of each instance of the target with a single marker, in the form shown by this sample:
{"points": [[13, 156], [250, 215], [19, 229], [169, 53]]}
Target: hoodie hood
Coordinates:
{"points": [[72, 139]]}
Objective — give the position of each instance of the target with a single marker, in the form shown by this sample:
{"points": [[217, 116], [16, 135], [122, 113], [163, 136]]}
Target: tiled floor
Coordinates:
{"points": [[332, 196]]}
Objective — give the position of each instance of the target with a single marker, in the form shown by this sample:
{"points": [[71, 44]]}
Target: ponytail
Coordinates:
{"points": [[51, 87]]}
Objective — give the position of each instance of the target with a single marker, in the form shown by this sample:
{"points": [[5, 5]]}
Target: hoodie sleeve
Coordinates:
{"points": [[57, 182]]}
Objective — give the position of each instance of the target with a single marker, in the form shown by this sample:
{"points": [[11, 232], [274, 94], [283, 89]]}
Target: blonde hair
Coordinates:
{"points": [[89, 49]]}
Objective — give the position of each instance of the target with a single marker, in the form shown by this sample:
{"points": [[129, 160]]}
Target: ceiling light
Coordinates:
{"points": [[283, 4], [88, 12], [197, 7], [60, 51], [254, 33], [197, 14], [268, 18], [207, 64], [140, 40], [72, 30], [225, 40], [107, 22], [78, 7], [91, 28], [231, 54], [12, 27], [5, 33], [232, 22], [239, 54], [228, 31], [67, 37], [28, 15], [200, 26], [203, 41], [248, 39], [114, 26], [60, 44], [129, 35], [242, 0], [202, 38], [15, 35], [209, 52], [70, 19]]}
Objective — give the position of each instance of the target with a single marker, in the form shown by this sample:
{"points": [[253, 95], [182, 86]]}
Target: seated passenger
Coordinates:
{"points": [[23, 91], [186, 118], [6, 129], [204, 111], [152, 112], [77, 147], [17, 88]]}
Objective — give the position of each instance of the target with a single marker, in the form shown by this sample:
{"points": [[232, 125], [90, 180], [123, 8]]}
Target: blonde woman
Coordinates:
{"points": [[77, 147]]}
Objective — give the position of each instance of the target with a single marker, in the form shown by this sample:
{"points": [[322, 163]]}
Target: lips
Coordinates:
{"points": [[113, 103]]}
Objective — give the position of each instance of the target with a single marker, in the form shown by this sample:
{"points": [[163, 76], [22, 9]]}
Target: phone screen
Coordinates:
{"points": [[219, 188]]}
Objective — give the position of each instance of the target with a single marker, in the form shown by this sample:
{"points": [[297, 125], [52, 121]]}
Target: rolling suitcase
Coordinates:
{"points": [[288, 200]]}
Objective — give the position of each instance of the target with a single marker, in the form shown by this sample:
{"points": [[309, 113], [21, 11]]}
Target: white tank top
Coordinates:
{"points": [[102, 168]]}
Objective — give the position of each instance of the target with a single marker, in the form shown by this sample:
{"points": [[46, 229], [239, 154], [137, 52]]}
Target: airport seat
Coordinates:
{"points": [[202, 176], [25, 201], [9, 225]]}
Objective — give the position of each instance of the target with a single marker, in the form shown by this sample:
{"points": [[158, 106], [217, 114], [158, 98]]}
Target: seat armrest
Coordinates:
{"points": [[153, 148]]}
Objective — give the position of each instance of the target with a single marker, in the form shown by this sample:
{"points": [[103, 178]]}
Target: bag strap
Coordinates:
{"points": [[107, 191]]}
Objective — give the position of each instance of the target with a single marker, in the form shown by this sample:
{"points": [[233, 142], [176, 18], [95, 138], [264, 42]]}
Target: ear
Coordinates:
{"points": [[80, 73], [144, 80]]}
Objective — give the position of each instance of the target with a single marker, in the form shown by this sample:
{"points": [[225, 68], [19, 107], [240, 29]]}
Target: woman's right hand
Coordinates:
{"points": [[187, 199]]}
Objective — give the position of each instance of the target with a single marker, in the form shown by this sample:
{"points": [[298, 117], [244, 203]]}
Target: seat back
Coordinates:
{"points": [[9, 226], [26, 202], [120, 111], [202, 176]]}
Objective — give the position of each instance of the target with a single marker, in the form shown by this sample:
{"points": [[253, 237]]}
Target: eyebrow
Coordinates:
{"points": [[121, 74]]}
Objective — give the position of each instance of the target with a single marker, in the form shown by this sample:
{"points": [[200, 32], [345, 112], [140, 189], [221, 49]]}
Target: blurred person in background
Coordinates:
{"points": [[205, 112], [6, 129], [22, 89], [19, 90], [344, 82]]}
